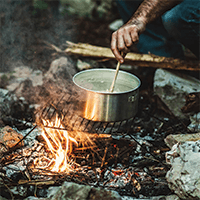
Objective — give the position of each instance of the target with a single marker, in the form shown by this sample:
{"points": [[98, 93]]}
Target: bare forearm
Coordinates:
{"points": [[151, 9], [129, 33]]}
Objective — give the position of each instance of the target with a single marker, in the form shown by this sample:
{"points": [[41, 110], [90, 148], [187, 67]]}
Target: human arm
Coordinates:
{"points": [[129, 33]]}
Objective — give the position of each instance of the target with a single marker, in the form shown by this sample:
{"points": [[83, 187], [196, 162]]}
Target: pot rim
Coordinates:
{"points": [[106, 93]]}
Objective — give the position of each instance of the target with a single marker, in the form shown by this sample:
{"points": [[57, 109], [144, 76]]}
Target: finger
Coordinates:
{"points": [[121, 43], [120, 40], [127, 37], [134, 37], [115, 49]]}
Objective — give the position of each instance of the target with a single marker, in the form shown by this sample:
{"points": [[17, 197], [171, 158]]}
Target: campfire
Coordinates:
{"points": [[59, 145], [47, 148], [100, 154]]}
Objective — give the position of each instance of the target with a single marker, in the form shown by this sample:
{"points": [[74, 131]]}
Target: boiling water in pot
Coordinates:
{"points": [[101, 85]]}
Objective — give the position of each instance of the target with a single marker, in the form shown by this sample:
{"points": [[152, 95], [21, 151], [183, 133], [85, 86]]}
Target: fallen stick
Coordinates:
{"points": [[36, 182], [142, 60]]}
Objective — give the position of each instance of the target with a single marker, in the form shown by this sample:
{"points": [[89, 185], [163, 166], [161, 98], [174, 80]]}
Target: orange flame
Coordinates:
{"points": [[59, 143]]}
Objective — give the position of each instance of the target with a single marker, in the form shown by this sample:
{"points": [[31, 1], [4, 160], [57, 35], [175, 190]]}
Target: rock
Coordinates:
{"points": [[61, 70], [34, 198], [172, 87], [194, 126], [184, 176], [91, 9], [170, 197], [6, 100], [98, 193], [9, 138], [81, 8], [72, 191], [20, 74], [104, 9], [171, 140], [81, 65], [3, 94], [56, 80], [86, 63], [15, 107], [116, 24]]}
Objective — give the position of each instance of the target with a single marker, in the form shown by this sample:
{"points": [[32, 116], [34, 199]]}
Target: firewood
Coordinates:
{"points": [[142, 60], [36, 182]]}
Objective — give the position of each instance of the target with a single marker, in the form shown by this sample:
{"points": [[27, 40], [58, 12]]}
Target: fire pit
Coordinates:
{"points": [[125, 156]]}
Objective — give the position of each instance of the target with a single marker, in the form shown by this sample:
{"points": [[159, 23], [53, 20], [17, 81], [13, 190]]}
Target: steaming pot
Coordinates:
{"points": [[96, 103]]}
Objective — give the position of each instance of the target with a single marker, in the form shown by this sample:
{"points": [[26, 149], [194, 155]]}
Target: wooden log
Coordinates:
{"points": [[142, 60]]}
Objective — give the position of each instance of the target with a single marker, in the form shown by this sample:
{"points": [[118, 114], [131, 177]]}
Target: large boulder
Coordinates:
{"points": [[184, 176]]}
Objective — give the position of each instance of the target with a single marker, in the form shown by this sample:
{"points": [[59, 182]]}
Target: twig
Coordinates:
{"points": [[23, 138], [152, 159], [104, 157], [35, 191], [36, 182], [52, 46]]}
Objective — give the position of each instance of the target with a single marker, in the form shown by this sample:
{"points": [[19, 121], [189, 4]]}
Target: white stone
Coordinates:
{"points": [[184, 176], [195, 122], [172, 87]]}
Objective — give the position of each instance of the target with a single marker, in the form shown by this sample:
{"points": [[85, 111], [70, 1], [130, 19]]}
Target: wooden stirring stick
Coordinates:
{"points": [[116, 73], [114, 80]]}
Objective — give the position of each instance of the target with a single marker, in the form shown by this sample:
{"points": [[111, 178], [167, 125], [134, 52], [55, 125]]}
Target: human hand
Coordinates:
{"points": [[124, 38]]}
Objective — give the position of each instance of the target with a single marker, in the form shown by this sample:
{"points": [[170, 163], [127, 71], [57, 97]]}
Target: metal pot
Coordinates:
{"points": [[96, 103]]}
